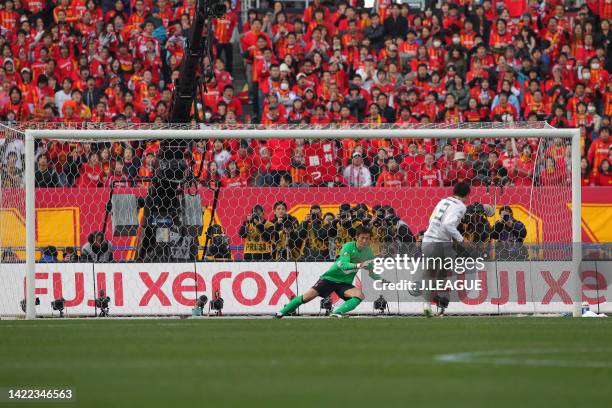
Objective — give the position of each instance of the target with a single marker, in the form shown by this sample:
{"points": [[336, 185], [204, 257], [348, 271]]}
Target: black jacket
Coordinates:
{"points": [[47, 178], [396, 27], [376, 35]]}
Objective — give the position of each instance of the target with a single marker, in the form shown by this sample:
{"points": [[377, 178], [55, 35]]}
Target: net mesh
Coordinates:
{"points": [[12, 220], [274, 202]]}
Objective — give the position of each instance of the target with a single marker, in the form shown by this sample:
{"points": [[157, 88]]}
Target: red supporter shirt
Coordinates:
{"points": [[522, 167], [280, 150], [601, 179], [598, 151], [238, 180], [224, 27], [557, 177], [390, 179], [246, 164], [458, 174], [430, 177], [90, 176]]}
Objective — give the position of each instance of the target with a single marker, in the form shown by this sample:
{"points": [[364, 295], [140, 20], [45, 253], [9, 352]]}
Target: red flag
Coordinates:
{"points": [[320, 161]]}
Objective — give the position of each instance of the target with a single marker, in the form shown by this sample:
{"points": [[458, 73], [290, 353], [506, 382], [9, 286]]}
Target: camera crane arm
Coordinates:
{"points": [[199, 45]]}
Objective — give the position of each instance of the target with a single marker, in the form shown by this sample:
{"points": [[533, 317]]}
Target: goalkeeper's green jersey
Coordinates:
{"points": [[344, 268]]}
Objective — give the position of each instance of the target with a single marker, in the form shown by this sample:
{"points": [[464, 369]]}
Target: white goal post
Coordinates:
{"points": [[474, 131]]}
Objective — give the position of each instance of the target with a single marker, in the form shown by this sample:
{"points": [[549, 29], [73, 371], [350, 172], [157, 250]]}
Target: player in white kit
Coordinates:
{"points": [[438, 241]]}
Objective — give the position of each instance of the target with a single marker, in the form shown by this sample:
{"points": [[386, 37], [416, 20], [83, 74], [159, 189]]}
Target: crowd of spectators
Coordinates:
{"points": [[454, 62]]}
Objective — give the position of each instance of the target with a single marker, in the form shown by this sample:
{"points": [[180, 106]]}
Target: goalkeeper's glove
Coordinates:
{"points": [[365, 263]]}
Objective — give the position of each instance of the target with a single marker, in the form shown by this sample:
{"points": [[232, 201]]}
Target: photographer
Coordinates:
{"points": [[510, 234], [256, 232], [379, 229], [49, 254], [401, 229], [71, 255], [390, 232], [219, 244], [313, 233], [285, 240], [342, 229], [97, 249], [361, 214], [476, 228]]}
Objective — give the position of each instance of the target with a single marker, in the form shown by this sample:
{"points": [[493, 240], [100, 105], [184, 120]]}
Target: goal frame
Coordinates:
{"points": [[258, 132]]}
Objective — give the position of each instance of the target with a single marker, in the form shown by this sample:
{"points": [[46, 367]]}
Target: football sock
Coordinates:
{"points": [[348, 305], [292, 305]]}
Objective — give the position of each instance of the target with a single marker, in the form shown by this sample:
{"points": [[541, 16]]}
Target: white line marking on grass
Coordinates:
{"points": [[517, 357]]}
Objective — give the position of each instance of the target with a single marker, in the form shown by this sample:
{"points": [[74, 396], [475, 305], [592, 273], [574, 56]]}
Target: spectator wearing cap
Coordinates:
{"points": [[459, 172], [356, 173]]}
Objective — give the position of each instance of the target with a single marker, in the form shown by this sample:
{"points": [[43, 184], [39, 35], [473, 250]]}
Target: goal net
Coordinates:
{"points": [[145, 219]]}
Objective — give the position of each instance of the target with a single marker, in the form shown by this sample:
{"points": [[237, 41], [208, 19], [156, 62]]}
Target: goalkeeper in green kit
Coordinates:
{"points": [[339, 277]]}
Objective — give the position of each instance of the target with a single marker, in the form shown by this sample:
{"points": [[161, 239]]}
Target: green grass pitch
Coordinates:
{"points": [[386, 362]]}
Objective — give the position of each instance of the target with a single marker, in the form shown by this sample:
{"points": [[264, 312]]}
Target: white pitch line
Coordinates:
{"points": [[498, 357]]}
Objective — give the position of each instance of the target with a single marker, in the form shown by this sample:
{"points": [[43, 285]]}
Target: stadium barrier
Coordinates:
{"points": [[263, 288]]}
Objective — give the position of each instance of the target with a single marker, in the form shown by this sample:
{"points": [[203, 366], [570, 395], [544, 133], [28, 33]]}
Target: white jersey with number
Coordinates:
{"points": [[444, 221]]}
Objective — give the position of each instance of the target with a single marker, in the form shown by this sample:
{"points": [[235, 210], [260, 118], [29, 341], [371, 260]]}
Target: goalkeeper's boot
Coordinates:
{"points": [[441, 303], [427, 310], [338, 315], [278, 315]]}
